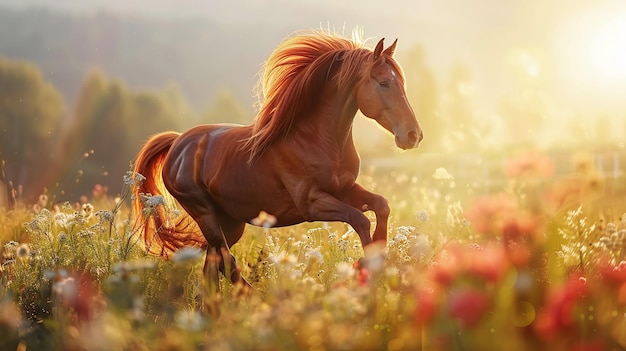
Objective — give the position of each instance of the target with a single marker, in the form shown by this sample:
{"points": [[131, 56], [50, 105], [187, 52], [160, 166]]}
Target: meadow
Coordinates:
{"points": [[515, 251]]}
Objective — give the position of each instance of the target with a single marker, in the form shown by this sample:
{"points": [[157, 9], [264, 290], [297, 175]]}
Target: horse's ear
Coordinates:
{"points": [[379, 49], [390, 50]]}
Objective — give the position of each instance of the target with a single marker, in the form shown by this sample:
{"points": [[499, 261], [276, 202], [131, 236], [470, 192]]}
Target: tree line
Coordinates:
{"points": [[48, 147]]}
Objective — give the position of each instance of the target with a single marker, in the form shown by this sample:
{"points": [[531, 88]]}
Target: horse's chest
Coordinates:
{"points": [[336, 181], [337, 177]]}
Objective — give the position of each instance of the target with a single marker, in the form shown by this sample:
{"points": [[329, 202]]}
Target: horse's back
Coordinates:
{"points": [[209, 161], [198, 151]]}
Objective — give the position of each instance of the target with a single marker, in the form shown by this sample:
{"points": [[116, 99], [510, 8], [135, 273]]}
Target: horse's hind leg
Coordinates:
{"points": [[233, 230], [210, 222]]}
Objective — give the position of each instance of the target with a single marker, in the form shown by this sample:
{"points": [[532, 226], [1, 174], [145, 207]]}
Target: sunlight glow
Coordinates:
{"points": [[530, 64], [608, 51], [590, 57], [525, 64]]}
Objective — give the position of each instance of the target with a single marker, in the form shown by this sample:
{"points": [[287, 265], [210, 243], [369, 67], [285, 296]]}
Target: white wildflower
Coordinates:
{"points": [[264, 220], [442, 174], [66, 288], [87, 210], [347, 234], [423, 216], [400, 237], [421, 247], [11, 244], [314, 256], [121, 267], [187, 254], [454, 214], [189, 320], [403, 232], [283, 259], [611, 228], [132, 178], [344, 270], [105, 216], [374, 258], [296, 274], [152, 200], [61, 219]]}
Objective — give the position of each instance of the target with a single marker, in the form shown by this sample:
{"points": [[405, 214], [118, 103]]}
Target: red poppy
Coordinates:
{"points": [[529, 164], [468, 306], [488, 262], [488, 214], [557, 316], [520, 226], [447, 267], [426, 306], [613, 273]]}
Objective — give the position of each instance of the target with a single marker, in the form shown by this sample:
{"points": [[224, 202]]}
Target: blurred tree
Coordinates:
{"points": [[97, 136], [226, 109], [464, 131], [599, 130], [178, 104], [603, 129], [579, 129], [524, 115], [31, 110], [109, 126], [423, 93], [154, 112], [526, 107]]}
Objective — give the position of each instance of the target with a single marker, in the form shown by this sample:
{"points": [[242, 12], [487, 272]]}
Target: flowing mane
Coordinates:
{"points": [[293, 78]]}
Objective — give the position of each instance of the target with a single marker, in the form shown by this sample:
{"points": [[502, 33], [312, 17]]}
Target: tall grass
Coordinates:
{"points": [[537, 263]]}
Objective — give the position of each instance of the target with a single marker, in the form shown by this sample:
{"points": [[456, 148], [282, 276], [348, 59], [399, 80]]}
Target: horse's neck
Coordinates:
{"points": [[332, 120]]}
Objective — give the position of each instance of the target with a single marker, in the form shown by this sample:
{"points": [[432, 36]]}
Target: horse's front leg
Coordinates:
{"points": [[321, 206], [365, 200]]}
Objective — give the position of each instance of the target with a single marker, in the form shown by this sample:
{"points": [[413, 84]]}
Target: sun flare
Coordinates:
{"points": [[608, 51]]}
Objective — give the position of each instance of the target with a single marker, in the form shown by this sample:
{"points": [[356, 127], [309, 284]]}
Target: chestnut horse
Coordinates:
{"points": [[297, 161]]}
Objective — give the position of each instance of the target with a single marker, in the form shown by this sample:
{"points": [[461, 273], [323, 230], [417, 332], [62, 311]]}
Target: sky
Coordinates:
{"points": [[573, 49]]}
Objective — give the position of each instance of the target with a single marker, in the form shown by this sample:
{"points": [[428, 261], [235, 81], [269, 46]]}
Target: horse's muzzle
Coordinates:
{"points": [[410, 139]]}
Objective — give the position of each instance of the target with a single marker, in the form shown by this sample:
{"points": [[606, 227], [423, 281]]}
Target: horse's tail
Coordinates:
{"points": [[163, 229]]}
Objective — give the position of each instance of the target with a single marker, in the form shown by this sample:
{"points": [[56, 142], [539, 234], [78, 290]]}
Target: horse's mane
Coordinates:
{"points": [[293, 78]]}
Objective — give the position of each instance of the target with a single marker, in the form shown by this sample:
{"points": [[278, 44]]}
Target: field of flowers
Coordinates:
{"points": [[534, 262]]}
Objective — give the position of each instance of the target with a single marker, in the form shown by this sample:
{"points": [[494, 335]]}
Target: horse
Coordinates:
{"points": [[296, 162]]}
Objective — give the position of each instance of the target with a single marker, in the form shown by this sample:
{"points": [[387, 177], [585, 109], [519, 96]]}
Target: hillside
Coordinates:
{"points": [[144, 52]]}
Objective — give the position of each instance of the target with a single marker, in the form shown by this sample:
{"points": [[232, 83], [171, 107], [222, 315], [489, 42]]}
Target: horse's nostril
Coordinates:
{"points": [[412, 137]]}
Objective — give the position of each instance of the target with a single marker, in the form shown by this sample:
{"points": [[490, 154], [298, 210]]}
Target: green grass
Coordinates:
{"points": [[536, 262]]}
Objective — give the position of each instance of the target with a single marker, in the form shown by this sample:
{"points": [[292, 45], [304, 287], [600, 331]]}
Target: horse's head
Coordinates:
{"points": [[381, 96]]}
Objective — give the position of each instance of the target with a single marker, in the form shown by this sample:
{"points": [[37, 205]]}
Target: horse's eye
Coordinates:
{"points": [[384, 84]]}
